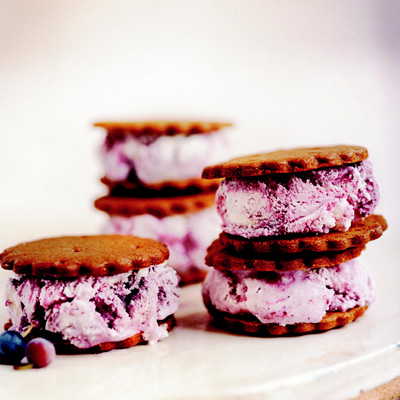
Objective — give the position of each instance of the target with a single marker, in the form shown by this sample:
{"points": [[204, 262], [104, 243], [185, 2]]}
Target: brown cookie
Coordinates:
{"points": [[193, 275], [66, 348], [160, 207], [287, 161], [73, 256], [247, 324], [161, 128], [360, 233], [222, 258], [185, 187]]}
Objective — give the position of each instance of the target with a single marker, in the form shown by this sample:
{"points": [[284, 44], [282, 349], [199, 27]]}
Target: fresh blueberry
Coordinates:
{"points": [[12, 347]]}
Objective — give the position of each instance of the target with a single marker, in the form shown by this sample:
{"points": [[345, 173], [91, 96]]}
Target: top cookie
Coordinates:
{"points": [[287, 161], [72, 256], [162, 128]]}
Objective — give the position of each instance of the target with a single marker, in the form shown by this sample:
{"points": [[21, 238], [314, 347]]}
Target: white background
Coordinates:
{"points": [[286, 73]]}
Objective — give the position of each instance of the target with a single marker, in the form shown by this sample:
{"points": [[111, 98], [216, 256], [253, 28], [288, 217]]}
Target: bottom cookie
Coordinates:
{"points": [[249, 325], [194, 275], [66, 348]]}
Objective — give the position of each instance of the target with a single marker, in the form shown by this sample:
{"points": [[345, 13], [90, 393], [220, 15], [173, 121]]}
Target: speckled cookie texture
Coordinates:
{"points": [[72, 256], [222, 258], [157, 206], [359, 234], [287, 161]]}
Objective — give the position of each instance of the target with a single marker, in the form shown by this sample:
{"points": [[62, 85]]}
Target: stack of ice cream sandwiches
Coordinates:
{"points": [[294, 223], [153, 174]]}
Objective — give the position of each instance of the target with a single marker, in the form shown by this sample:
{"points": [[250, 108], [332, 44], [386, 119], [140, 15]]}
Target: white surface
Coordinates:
{"points": [[199, 361]]}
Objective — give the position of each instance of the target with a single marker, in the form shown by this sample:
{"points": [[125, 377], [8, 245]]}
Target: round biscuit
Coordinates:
{"points": [[191, 276], [287, 161], [186, 186], [359, 234], [247, 324], [72, 256], [222, 258], [161, 128], [160, 207], [66, 348]]}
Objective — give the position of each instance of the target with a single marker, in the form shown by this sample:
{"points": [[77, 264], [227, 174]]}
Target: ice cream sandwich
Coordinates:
{"points": [[153, 174], [91, 293], [315, 190], [158, 154], [294, 223]]}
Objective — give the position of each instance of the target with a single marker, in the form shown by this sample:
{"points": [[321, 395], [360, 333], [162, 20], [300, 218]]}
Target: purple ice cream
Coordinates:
{"points": [[317, 201], [163, 159], [187, 235], [90, 310], [287, 298]]}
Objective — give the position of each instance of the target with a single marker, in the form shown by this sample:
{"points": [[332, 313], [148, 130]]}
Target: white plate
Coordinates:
{"points": [[199, 361]]}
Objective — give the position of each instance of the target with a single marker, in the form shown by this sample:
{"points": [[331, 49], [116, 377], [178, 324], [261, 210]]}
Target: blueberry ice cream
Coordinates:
{"points": [[287, 298], [90, 310], [317, 201], [154, 160]]}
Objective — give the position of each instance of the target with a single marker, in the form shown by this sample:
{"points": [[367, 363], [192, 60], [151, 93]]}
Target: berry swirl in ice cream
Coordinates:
{"points": [[317, 201], [91, 310], [150, 154], [291, 297]]}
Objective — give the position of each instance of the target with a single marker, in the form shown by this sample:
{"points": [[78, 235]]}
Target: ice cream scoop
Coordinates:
{"points": [[91, 310], [290, 297], [155, 160], [317, 201]]}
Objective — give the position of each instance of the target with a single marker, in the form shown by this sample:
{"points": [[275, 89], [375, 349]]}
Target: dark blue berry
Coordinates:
{"points": [[12, 347]]}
